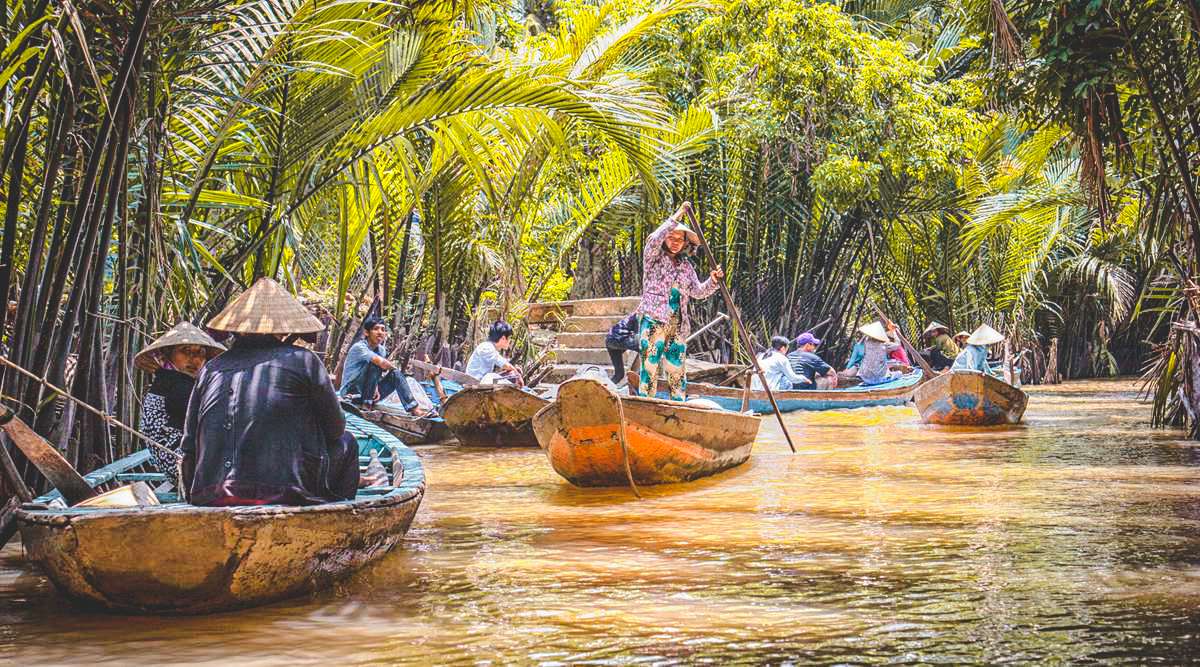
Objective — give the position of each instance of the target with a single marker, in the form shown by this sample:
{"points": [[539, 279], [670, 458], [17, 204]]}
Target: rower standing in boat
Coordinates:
{"points": [[975, 356], [175, 359], [369, 376], [486, 358], [778, 369], [942, 350], [806, 362], [264, 425], [669, 281], [622, 337]]}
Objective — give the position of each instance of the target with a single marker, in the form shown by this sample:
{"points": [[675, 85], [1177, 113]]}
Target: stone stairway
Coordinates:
{"points": [[574, 331]]}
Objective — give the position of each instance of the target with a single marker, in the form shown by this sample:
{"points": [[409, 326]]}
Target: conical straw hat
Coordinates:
{"points": [[962, 334], [934, 326], [874, 330], [184, 333], [266, 308], [985, 335]]}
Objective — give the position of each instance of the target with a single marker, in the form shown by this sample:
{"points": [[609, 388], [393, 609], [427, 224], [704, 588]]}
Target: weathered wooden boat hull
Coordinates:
{"points": [[411, 430], [493, 416], [667, 442], [181, 559], [897, 392], [962, 398]]}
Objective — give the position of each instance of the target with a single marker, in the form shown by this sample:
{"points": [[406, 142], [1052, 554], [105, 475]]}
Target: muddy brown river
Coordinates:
{"points": [[1073, 538]]}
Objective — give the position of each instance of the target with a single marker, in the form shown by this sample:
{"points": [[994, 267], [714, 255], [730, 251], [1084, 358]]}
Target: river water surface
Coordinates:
{"points": [[1072, 538]]}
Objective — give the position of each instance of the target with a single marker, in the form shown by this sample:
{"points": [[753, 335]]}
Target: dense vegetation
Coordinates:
{"points": [[1029, 164]]}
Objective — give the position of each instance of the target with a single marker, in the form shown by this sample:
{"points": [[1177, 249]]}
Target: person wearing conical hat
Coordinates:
{"points": [[173, 359], [668, 282], [974, 356], [264, 425], [872, 355], [942, 350], [960, 339]]}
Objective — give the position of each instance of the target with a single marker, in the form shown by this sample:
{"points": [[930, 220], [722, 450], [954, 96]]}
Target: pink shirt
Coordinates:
{"points": [[661, 273]]}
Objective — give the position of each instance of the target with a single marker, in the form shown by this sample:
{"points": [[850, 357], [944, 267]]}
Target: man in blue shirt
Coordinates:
{"points": [[804, 361], [974, 356], [368, 374]]}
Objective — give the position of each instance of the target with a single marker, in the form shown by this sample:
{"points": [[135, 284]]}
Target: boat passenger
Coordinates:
{"points": [[367, 374], [264, 425], [942, 350], [486, 358], [806, 362], [975, 356], [174, 359], [778, 370], [622, 337], [878, 345], [960, 339], [669, 281]]}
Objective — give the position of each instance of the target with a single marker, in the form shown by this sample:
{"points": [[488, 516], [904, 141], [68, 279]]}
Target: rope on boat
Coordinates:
{"points": [[625, 447], [109, 419]]}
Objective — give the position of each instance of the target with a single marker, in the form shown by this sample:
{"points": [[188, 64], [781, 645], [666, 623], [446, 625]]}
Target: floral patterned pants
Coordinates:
{"points": [[661, 345]]}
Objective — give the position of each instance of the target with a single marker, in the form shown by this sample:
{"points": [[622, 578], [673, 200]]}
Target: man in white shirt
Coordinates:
{"points": [[487, 358], [778, 370]]}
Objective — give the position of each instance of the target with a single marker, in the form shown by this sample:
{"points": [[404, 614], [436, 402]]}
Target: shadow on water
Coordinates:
{"points": [[1072, 538]]}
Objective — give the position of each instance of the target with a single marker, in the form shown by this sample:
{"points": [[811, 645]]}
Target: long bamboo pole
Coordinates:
{"points": [[737, 320]]}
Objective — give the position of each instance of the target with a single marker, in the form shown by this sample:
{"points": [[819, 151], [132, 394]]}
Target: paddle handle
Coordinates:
{"points": [[73, 487], [737, 320]]}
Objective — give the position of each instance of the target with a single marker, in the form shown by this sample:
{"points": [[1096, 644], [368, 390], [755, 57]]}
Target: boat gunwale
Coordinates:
{"points": [[411, 487], [913, 379]]}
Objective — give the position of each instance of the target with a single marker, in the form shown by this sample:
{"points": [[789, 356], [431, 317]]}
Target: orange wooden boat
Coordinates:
{"points": [[499, 415], [666, 441], [967, 398]]}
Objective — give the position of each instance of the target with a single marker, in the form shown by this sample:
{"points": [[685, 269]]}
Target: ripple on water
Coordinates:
{"points": [[1069, 539]]}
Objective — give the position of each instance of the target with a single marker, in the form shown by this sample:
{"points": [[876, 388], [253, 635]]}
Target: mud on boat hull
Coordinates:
{"points": [[667, 441], [493, 416]]}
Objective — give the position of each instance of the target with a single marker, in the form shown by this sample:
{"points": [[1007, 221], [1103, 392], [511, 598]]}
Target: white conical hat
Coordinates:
{"points": [[874, 330], [934, 326], [184, 333], [266, 308], [985, 335]]}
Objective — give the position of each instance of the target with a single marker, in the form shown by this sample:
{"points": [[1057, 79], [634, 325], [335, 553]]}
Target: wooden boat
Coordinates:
{"points": [[966, 398], [666, 441], [409, 429], [176, 558], [493, 416], [896, 392]]}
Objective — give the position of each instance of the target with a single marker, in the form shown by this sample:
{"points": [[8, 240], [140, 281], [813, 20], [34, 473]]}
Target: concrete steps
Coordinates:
{"points": [[592, 339], [581, 355], [548, 312], [589, 324]]}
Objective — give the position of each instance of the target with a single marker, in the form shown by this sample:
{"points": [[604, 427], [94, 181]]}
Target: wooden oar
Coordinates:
{"points": [[929, 372], [737, 320], [73, 487]]}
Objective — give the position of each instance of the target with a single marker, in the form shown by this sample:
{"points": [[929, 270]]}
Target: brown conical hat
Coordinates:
{"points": [[266, 308], [985, 335], [184, 333]]}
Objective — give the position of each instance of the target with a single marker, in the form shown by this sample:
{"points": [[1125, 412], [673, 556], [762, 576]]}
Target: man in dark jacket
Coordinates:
{"points": [[621, 337], [264, 426]]}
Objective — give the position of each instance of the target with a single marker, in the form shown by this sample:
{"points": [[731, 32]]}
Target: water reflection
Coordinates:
{"points": [[1070, 538]]}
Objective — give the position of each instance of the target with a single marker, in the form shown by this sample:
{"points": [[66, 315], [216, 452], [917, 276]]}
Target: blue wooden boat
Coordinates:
{"points": [[177, 558], [969, 398], [896, 392]]}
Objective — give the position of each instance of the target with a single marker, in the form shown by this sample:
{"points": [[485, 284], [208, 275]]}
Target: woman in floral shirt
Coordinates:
{"points": [[174, 360], [669, 281]]}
